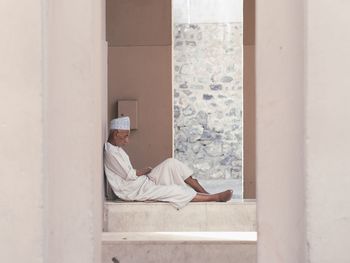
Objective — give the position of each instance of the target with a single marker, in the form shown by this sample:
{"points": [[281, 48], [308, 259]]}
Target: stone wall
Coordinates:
{"points": [[208, 98]]}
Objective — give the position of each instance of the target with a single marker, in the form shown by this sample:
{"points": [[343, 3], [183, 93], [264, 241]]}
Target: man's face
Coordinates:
{"points": [[122, 137]]}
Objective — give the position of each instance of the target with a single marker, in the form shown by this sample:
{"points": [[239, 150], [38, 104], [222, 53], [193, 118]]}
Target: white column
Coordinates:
{"points": [[52, 128], [280, 159], [21, 132], [327, 130], [74, 114]]}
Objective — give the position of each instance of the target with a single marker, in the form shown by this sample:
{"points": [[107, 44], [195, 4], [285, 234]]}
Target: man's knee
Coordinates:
{"points": [[171, 162]]}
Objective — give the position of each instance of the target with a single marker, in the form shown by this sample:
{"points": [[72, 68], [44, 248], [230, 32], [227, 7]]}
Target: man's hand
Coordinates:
{"points": [[143, 171]]}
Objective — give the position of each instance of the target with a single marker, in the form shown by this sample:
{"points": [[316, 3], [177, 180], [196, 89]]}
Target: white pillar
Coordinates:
{"points": [[280, 138], [74, 109], [52, 127], [21, 132], [327, 130]]}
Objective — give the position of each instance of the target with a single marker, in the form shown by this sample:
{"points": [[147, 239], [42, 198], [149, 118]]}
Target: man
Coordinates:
{"points": [[167, 182]]}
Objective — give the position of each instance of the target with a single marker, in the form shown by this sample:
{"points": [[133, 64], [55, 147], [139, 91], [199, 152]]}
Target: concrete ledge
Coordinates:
{"points": [[162, 217], [189, 247], [181, 237]]}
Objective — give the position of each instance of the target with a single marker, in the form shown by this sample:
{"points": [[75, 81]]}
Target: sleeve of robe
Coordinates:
{"points": [[121, 166]]}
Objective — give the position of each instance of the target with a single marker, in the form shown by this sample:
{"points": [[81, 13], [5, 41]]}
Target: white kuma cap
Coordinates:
{"points": [[122, 123]]}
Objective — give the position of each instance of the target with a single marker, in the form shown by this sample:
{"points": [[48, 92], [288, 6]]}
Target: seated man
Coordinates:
{"points": [[167, 182]]}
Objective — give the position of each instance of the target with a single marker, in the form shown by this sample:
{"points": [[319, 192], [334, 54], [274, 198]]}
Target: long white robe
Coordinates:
{"points": [[164, 183]]}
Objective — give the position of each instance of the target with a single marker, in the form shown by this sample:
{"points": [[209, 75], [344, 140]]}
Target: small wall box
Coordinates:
{"points": [[129, 108]]}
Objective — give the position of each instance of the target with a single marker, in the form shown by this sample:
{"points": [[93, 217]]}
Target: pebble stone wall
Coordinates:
{"points": [[208, 98]]}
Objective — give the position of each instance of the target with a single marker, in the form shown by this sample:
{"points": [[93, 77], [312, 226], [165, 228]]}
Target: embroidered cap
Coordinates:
{"points": [[122, 123]]}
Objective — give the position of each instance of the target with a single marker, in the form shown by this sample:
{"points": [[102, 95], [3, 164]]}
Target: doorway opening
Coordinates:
{"points": [[168, 65]]}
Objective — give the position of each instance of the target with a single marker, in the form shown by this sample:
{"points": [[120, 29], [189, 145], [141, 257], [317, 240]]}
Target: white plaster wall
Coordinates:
{"points": [[327, 131], [280, 127], [52, 127], [207, 11], [21, 132], [74, 109]]}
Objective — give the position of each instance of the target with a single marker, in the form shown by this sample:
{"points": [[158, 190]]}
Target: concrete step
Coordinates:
{"points": [[235, 215], [184, 247]]}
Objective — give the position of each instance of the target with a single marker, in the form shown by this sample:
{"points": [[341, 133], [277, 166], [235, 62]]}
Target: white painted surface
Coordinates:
{"points": [[52, 120], [74, 132], [21, 132], [207, 11], [239, 237], [327, 131], [179, 247], [280, 127], [157, 216]]}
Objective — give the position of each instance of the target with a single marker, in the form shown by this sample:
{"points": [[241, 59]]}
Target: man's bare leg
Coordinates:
{"points": [[195, 185], [219, 197]]}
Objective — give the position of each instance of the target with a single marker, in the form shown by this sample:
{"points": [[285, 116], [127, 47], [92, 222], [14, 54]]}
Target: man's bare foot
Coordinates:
{"points": [[219, 197], [225, 196]]}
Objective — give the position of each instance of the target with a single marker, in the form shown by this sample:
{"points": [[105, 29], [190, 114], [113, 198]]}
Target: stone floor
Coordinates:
{"points": [[179, 247], [214, 186]]}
